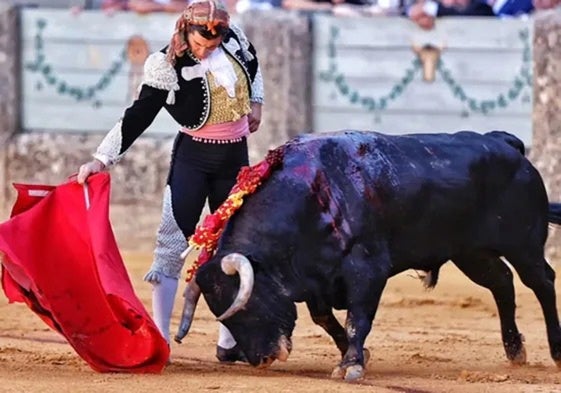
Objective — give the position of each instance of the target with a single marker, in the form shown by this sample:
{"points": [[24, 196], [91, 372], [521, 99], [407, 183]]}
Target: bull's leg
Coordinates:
{"points": [[322, 315], [365, 276], [536, 274], [493, 274]]}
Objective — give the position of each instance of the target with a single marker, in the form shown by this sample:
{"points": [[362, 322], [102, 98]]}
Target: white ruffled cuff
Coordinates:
{"points": [[103, 158], [109, 150], [257, 88]]}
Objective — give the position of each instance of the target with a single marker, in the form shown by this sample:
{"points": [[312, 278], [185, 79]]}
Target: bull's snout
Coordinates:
{"points": [[284, 346]]}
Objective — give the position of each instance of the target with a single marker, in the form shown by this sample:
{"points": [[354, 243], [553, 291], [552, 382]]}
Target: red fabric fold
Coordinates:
{"points": [[62, 260]]}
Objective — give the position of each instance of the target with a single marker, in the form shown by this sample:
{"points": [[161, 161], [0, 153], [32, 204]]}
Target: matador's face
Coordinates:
{"points": [[202, 47]]}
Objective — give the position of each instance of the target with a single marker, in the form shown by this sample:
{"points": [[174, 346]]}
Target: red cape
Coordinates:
{"points": [[61, 259]]}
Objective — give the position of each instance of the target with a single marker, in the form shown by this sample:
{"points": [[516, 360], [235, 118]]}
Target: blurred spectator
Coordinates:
{"points": [[424, 13], [110, 6], [145, 6], [59, 4], [307, 5], [348, 7], [78, 7], [248, 5], [511, 7], [148, 6], [92, 4], [373, 7], [321, 5], [546, 4], [140, 6]]}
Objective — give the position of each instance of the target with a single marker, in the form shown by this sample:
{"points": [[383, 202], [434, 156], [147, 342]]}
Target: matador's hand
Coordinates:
{"points": [[254, 117], [89, 168]]}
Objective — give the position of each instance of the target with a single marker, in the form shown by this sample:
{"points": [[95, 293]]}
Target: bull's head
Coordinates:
{"points": [[429, 56], [250, 303]]}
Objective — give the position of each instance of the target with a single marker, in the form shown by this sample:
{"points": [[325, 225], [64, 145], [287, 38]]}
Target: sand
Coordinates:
{"points": [[444, 340]]}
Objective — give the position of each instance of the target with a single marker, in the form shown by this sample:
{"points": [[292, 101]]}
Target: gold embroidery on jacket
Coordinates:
{"points": [[223, 108]]}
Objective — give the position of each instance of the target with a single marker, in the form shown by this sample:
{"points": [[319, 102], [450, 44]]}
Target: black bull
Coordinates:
{"points": [[345, 211]]}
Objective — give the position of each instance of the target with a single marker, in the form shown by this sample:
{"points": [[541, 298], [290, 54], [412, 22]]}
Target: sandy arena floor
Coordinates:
{"points": [[446, 340]]}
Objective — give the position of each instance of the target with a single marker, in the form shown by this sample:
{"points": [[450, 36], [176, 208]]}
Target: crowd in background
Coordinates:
{"points": [[422, 12]]}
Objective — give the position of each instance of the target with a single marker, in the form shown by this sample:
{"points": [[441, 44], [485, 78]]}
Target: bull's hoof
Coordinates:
{"points": [[338, 373], [520, 358], [354, 373], [556, 354], [351, 373]]}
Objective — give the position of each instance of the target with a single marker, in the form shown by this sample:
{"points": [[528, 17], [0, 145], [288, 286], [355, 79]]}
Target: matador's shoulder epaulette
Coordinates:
{"points": [[159, 73]]}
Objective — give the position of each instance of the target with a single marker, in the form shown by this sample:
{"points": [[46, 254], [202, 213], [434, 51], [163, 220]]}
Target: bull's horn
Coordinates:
{"points": [[191, 295], [231, 264]]}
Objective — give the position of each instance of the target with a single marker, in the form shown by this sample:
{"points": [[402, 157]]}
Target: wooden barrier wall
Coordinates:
{"points": [[80, 72], [367, 75]]}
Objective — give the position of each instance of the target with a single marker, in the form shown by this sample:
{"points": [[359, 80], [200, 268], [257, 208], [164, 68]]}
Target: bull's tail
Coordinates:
{"points": [[431, 278], [554, 215]]}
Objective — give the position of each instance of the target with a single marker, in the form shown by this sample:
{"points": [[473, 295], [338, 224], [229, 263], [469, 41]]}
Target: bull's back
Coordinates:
{"points": [[402, 167], [423, 192]]}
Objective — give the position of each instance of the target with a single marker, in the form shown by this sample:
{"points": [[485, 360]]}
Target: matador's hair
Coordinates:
{"points": [[208, 14]]}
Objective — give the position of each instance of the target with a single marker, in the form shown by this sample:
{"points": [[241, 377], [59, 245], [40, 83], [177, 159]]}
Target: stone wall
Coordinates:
{"points": [[546, 144], [283, 43], [137, 182], [8, 94]]}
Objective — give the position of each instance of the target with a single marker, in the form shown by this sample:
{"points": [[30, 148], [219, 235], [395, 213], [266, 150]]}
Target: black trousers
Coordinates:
{"points": [[201, 171]]}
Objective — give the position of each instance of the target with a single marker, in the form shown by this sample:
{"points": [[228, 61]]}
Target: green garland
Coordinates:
{"points": [[371, 104], [41, 66], [378, 104], [522, 80]]}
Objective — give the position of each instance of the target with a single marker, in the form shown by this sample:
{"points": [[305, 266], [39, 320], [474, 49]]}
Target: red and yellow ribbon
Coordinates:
{"points": [[207, 234]]}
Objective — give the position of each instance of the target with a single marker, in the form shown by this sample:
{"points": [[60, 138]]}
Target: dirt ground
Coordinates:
{"points": [[445, 340]]}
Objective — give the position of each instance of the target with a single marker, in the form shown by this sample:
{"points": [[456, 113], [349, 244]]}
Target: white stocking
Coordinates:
{"points": [[225, 338], [163, 298]]}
